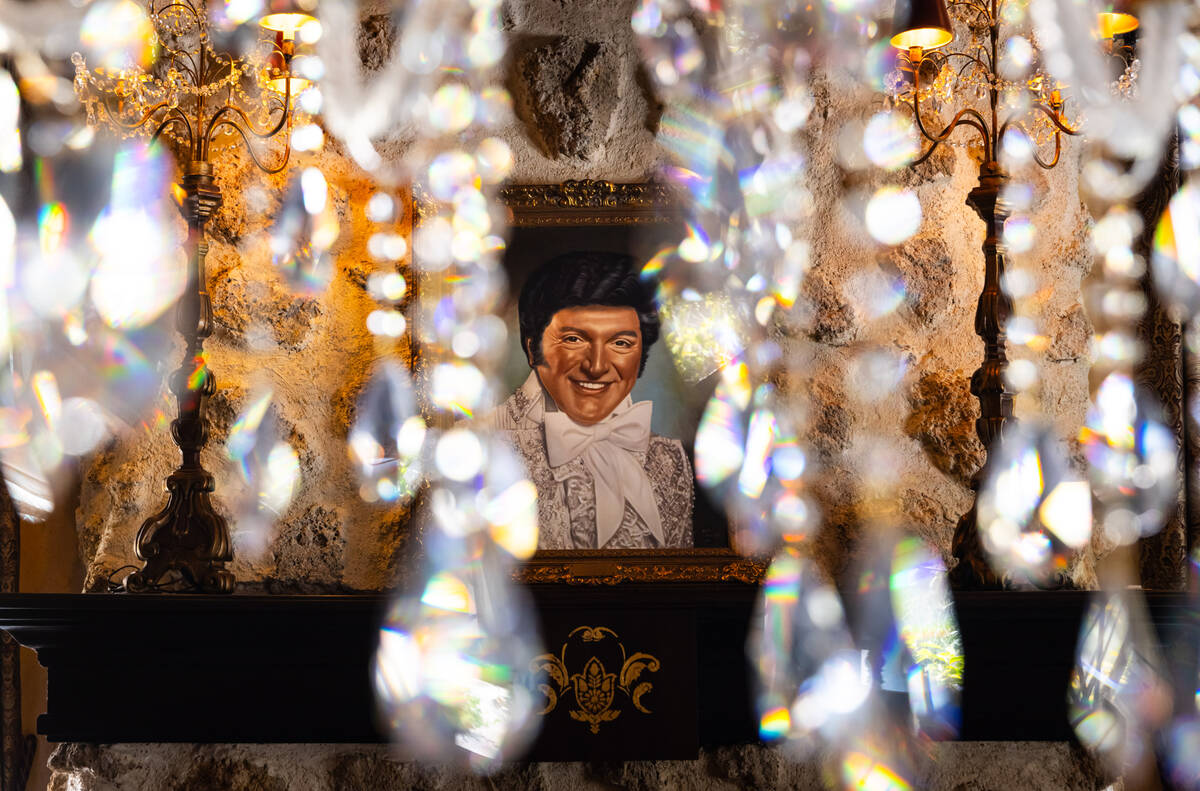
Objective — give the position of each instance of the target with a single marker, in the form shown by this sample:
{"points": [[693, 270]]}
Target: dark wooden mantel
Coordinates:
{"points": [[182, 668], [201, 668]]}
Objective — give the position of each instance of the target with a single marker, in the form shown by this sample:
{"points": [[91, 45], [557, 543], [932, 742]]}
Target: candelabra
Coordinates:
{"points": [[1038, 116], [198, 100]]}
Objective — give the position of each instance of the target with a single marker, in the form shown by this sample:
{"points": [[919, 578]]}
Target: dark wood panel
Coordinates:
{"points": [[189, 668], [295, 668]]}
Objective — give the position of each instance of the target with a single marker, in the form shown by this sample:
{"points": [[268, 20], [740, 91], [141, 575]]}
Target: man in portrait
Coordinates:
{"points": [[604, 481]]}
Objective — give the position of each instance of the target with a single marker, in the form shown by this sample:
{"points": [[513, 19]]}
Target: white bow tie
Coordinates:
{"points": [[566, 439], [607, 450]]}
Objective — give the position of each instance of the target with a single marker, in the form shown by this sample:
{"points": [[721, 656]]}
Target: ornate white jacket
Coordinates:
{"points": [[567, 495]]}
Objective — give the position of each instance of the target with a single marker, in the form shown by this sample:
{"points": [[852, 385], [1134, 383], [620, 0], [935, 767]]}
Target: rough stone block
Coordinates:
{"points": [[833, 320], [831, 422], [943, 420], [1070, 335], [308, 552], [940, 165], [376, 34], [925, 265], [565, 90]]}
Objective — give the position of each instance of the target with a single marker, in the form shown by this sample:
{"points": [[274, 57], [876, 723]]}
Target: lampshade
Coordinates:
{"points": [[280, 85], [287, 16], [286, 22], [1115, 18], [927, 27], [1114, 23]]}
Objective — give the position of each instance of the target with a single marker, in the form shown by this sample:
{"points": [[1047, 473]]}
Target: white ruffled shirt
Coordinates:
{"points": [[640, 484], [607, 449]]}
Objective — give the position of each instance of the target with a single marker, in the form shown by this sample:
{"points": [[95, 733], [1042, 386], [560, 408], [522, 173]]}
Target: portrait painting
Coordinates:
{"points": [[595, 407], [588, 321]]}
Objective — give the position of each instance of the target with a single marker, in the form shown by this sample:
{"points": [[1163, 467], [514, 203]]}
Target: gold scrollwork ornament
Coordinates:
{"points": [[594, 688]]}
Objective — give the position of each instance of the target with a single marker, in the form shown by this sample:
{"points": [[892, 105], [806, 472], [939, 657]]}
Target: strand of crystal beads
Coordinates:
{"points": [[481, 513]]}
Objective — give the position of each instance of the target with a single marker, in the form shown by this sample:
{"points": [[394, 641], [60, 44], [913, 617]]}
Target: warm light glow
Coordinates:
{"points": [[1111, 23], [287, 23], [279, 85], [926, 38]]}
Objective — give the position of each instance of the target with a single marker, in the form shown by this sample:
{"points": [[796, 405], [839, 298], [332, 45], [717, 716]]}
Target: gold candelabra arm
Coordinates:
{"points": [[989, 19], [181, 57], [176, 116], [959, 119], [1055, 116], [1057, 152], [182, 61], [220, 120], [128, 126], [187, 7], [217, 68], [970, 59], [968, 116], [1059, 130], [269, 169]]}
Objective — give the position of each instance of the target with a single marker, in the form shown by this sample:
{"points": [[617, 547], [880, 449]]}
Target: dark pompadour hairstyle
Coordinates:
{"points": [[583, 278]]}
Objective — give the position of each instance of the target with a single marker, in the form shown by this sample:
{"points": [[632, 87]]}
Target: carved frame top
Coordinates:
{"points": [[588, 202], [612, 567]]}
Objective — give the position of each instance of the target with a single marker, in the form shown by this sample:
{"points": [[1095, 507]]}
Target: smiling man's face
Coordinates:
{"points": [[592, 355]]}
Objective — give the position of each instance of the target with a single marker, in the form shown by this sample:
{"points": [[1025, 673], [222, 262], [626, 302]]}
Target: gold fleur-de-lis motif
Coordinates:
{"points": [[594, 691], [594, 687]]}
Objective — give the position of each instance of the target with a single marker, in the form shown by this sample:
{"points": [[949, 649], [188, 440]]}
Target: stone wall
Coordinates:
{"points": [[583, 110], [921, 431], [975, 766], [315, 351]]}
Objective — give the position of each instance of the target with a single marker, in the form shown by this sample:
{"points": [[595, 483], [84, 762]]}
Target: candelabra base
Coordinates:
{"points": [[973, 572], [188, 537]]}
